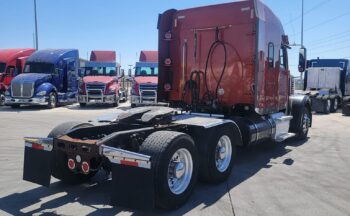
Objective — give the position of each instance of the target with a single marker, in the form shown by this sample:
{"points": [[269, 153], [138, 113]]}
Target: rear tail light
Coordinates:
{"points": [[85, 167], [71, 164]]}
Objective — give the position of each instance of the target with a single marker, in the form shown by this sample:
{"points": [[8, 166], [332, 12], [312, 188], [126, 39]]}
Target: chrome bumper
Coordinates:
{"points": [[26, 101], [144, 100], [108, 99]]}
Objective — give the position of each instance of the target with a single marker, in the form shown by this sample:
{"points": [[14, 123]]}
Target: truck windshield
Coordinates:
{"points": [[44, 68], [146, 71], [2, 67], [100, 71]]}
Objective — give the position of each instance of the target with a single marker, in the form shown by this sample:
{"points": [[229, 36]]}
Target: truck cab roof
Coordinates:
{"points": [[52, 55], [341, 63], [148, 56], [7, 55]]}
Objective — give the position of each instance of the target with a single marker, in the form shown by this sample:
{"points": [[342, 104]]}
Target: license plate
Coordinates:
{"points": [[22, 100]]}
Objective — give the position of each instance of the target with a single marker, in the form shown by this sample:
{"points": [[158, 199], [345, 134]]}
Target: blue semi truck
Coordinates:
{"points": [[50, 78]]}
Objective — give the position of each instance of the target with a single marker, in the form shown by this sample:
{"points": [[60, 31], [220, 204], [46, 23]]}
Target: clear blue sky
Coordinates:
{"points": [[129, 26]]}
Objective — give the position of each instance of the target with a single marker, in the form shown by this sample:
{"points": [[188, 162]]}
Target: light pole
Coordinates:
{"points": [[36, 27], [302, 30]]}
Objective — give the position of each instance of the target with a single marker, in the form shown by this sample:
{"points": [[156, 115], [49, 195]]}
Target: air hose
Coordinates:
{"points": [[213, 46], [194, 85]]}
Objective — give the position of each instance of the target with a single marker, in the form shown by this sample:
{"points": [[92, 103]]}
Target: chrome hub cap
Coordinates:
{"points": [[53, 100], [335, 104], [223, 153], [180, 171]]}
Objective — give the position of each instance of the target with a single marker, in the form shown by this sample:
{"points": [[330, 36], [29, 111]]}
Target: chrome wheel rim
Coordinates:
{"points": [[180, 171], [306, 123], [53, 100], [223, 153], [2, 99], [328, 105]]}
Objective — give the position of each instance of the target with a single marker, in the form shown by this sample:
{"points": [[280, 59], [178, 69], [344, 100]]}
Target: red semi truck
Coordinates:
{"points": [[12, 63], [145, 82], [224, 71], [100, 82]]}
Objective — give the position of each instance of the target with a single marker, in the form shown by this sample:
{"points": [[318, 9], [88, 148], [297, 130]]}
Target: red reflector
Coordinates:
{"points": [[168, 35], [71, 164], [37, 146], [129, 163], [85, 167], [167, 87], [167, 61]]}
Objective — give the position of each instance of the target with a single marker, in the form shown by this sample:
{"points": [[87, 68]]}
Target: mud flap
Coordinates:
{"points": [[132, 178], [133, 187], [318, 105], [37, 163], [346, 108]]}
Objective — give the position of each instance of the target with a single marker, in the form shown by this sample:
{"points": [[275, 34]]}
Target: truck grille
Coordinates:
{"points": [[25, 90], [95, 88], [148, 91]]}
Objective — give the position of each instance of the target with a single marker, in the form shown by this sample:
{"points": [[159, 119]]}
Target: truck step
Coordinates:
{"points": [[284, 136]]}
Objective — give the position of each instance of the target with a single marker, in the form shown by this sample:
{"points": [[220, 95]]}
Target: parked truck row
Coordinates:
{"points": [[54, 77], [223, 71]]}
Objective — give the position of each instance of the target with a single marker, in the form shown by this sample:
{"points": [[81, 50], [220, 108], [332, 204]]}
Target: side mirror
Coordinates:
{"points": [[122, 73], [302, 60], [56, 72], [14, 72], [71, 66]]}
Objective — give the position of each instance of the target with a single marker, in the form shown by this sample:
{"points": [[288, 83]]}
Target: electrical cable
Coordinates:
{"points": [[216, 43], [307, 12]]}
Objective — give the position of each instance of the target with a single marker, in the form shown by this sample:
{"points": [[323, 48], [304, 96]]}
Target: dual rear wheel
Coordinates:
{"points": [[176, 163]]}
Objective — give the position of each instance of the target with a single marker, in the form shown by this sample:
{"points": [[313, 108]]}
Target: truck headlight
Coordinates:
{"points": [[41, 93], [7, 93]]}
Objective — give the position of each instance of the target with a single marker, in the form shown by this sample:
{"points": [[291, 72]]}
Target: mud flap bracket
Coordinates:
{"points": [[132, 178]]}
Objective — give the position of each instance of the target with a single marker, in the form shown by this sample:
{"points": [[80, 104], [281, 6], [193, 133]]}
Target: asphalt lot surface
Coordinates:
{"points": [[292, 178]]}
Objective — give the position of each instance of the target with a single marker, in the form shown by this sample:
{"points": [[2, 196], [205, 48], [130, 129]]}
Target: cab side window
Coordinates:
{"points": [[282, 58], [271, 55]]}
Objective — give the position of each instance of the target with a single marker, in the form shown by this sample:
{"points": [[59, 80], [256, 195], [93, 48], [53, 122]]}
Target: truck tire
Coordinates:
{"points": [[82, 104], [327, 104], [116, 102], [218, 155], [52, 103], [174, 160], [301, 123], [334, 105], [346, 108], [2, 99], [60, 169]]}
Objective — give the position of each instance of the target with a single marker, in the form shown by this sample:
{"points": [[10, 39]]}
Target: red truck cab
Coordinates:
{"points": [[100, 82], [12, 63], [145, 81]]}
